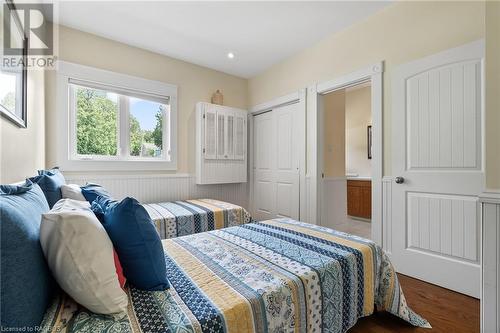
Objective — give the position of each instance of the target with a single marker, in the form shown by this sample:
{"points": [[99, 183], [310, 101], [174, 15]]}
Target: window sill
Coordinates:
{"points": [[130, 165]]}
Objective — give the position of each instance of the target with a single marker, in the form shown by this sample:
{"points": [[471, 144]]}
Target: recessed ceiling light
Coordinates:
{"points": [[230, 55]]}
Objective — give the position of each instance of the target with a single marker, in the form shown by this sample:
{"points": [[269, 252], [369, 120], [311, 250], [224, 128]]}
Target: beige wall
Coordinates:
{"points": [[346, 116], [358, 115], [399, 33], [22, 150], [195, 83], [493, 95], [334, 134]]}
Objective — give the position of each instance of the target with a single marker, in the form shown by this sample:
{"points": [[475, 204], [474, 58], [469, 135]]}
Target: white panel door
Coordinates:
{"points": [[437, 158], [276, 164], [264, 146]]}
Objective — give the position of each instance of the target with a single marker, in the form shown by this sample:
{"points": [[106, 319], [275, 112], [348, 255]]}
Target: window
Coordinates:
{"points": [[117, 122], [13, 74], [13, 95], [99, 113], [8, 95], [146, 127]]}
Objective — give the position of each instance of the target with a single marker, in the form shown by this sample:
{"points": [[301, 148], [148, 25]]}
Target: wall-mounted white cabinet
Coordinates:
{"points": [[221, 144]]}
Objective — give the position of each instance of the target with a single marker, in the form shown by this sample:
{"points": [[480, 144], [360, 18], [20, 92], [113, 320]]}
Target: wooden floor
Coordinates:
{"points": [[446, 310]]}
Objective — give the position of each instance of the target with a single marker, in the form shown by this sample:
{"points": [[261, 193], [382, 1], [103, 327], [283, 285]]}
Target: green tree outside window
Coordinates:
{"points": [[97, 127]]}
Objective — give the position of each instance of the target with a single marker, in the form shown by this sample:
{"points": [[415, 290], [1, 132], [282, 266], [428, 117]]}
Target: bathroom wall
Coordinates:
{"points": [[334, 134], [358, 116]]}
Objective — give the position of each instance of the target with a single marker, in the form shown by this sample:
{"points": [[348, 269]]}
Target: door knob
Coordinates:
{"points": [[399, 180]]}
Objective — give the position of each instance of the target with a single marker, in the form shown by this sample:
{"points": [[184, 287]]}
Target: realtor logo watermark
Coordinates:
{"points": [[28, 36]]}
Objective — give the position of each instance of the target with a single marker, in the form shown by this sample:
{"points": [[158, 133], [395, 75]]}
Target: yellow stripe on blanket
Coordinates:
{"points": [[228, 207], [235, 308], [218, 212], [365, 250]]}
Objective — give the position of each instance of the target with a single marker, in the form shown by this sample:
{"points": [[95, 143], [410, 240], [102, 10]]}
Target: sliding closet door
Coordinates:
{"points": [[276, 164], [264, 145]]}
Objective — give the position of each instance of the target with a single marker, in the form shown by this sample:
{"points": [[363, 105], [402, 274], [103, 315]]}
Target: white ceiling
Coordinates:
{"points": [[259, 34]]}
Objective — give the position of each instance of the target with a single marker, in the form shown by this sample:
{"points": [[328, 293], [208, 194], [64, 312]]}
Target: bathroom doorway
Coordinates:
{"points": [[346, 193]]}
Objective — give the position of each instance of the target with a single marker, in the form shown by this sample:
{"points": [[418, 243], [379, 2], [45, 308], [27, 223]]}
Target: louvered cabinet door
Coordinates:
{"points": [[229, 135], [210, 150], [220, 144], [240, 130], [221, 135]]}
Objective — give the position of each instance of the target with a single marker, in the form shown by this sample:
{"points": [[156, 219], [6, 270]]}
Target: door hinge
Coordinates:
{"points": [[322, 175], [203, 116], [203, 150]]}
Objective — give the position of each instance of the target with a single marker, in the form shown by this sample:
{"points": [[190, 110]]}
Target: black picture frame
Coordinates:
{"points": [[21, 118], [369, 141]]}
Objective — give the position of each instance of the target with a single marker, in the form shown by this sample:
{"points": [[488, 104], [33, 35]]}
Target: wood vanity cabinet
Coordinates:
{"points": [[359, 198]]}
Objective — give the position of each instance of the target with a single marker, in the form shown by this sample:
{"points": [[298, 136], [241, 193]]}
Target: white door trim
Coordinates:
{"points": [[296, 97], [277, 102], [373, 74], [490, 261]]}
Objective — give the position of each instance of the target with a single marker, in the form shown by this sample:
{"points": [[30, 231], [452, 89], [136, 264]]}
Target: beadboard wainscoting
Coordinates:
{"points": [[490, 291], [161, 188], [334, 202]]}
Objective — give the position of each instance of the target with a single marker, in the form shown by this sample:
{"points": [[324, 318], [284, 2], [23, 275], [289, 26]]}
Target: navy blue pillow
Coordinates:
{"points": [[50, 182], [98, 211], [136, 242], [92, 191], [27, 286]]}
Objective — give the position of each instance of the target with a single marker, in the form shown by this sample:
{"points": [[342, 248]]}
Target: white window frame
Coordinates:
{"points": [[70, 74], [18, 116]]}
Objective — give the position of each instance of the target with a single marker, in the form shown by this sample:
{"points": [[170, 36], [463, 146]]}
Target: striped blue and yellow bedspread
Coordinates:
{"points": [[180, 218], [273, 276]]}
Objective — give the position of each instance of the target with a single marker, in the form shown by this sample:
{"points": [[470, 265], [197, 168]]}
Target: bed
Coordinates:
{"points": [[272, 276], [180, 218]]}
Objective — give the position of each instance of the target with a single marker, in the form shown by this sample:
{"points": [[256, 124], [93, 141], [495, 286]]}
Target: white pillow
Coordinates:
{"points": [[80, 256], [72, 191]]}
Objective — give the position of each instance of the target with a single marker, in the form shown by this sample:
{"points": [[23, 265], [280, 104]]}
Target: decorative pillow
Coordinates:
{"points": [[92, 191], [27, 287], [50, 182], [119, 270], [72, 191], [136, 241], [98, 211], [80, 256]]}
